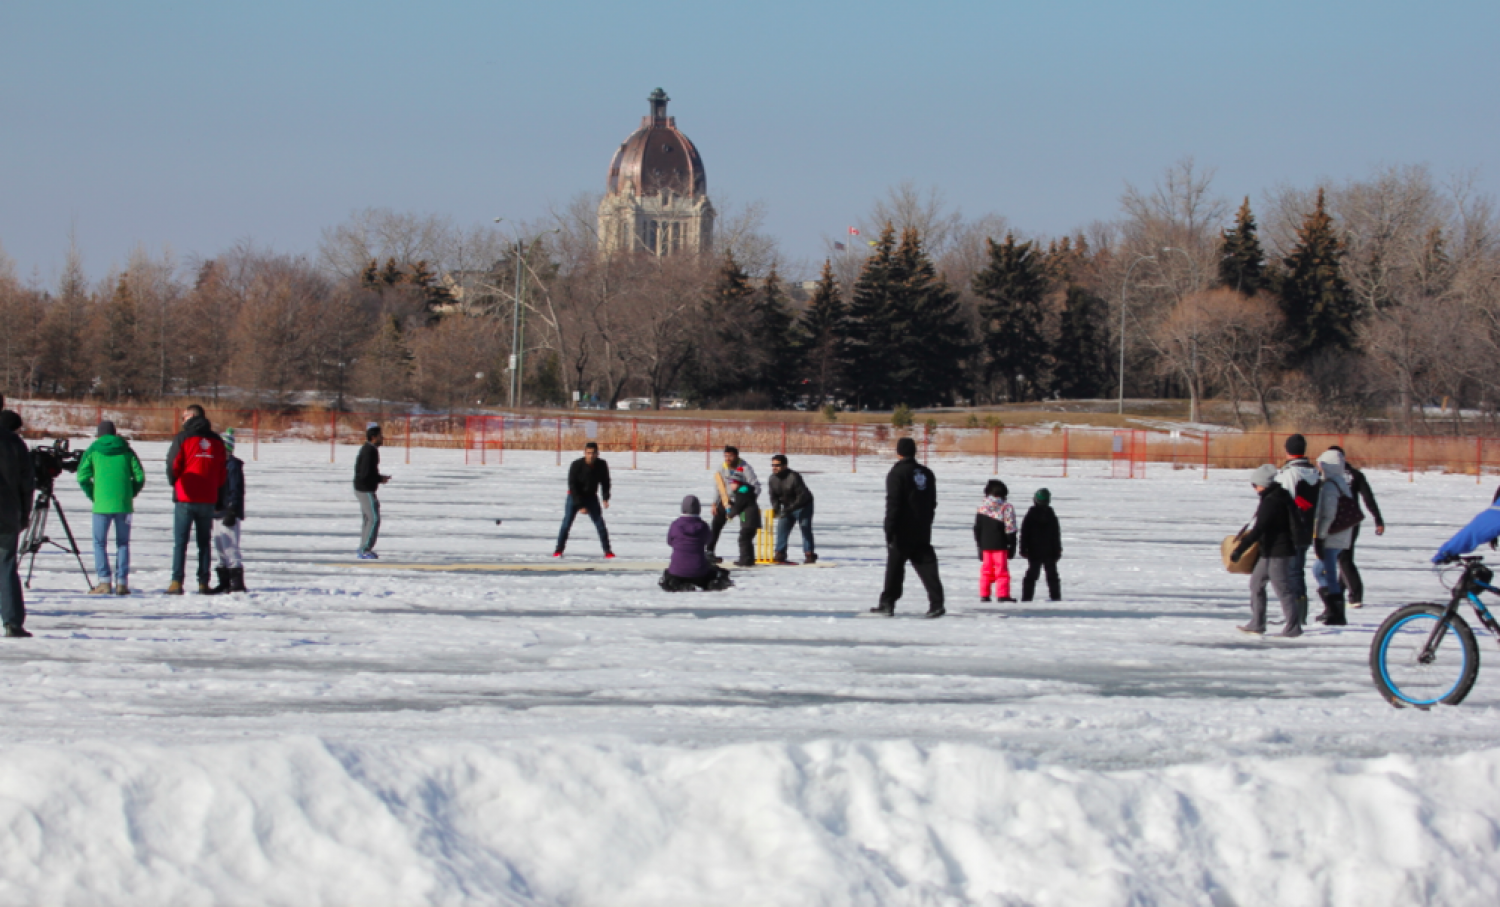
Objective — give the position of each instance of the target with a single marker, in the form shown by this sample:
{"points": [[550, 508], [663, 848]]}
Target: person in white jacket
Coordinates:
{"points": [[1328, 544]]}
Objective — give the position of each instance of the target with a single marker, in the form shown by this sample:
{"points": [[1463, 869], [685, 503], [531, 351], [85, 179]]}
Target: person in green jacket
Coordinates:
{"points": [[111, 476]]}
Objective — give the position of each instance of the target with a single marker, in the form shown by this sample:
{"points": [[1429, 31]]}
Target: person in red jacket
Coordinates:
{"points": [[195, 469]]}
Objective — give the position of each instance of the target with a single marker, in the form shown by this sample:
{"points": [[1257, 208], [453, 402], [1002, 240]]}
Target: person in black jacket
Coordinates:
{"points": [[1349, 578], [228, 515], [1275, 530], [792, 503], [910, 505], [588, 493], [1041, 545], [17, 491], [367, 480]]}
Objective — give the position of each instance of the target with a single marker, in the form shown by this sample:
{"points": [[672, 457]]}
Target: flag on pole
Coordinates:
{"points": [[853, 231], [838, 247]]}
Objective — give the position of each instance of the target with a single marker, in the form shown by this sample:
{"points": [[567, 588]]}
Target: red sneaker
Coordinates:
{"points": [[557, 553], [609, 555]]}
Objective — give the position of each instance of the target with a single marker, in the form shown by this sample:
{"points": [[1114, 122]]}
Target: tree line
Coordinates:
{"points": [[1375, 299]]}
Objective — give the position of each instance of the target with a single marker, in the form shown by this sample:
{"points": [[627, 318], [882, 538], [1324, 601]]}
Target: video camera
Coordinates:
{"points": [[47, 463]]}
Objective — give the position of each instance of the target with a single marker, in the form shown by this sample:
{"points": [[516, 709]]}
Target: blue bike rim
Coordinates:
{"points": [[1447, 631]]}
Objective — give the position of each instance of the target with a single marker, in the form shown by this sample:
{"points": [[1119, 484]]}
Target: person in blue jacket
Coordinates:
{"points": [[1483, 528]]}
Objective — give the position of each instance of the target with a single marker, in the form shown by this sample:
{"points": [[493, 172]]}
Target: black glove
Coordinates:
{"points": [[1234, 556], [1318, 548], [229, 521]]}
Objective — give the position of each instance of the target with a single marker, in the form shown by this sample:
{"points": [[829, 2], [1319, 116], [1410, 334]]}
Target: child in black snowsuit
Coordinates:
{"points": [[743, 504], [1041, 545]]}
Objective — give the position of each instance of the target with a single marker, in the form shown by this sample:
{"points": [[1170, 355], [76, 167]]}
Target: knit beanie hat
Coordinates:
{"points": [[1042, 496], [107, 428], [906, 447], [1263, 476], [1296, 445], [690, 506], [229, 440]]}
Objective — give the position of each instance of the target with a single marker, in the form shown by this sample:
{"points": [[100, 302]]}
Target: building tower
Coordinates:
{"points": [[657, 197]]}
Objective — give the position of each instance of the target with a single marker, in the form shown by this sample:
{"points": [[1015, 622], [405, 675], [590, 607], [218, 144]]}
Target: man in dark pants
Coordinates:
{"points": [[588, 493], [1301, 480], [792, 503], [1353, 584], [733, 473], [910, 505], [367, 481], [196, 470], [17, 492]]}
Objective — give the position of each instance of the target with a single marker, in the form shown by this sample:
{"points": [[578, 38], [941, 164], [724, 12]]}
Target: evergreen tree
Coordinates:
{"points": [[820, 342], [121, 371], [1320, 311], [928, 334], [1081, 353], [388, 362], [1012, 285], [720, 368], [772, 342], [869, 349], [1242, 264], [430, 290], [391, 275], [370, 278]]}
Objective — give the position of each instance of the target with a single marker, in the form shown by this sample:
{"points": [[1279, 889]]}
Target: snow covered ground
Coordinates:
{"points": [[368, 734]]}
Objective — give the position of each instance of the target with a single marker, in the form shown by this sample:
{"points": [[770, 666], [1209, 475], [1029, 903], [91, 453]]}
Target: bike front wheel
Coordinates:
{"points": [[1408, 671]]}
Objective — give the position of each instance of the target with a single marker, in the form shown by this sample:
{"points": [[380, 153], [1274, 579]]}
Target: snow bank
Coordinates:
{"points": [[300, 821]]}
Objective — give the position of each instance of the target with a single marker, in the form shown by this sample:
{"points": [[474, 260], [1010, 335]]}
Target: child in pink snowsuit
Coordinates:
{"points": [[995, 534]]}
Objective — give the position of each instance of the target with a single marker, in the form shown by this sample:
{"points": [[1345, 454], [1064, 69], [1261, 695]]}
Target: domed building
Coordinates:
{"points": [[657, 197]]}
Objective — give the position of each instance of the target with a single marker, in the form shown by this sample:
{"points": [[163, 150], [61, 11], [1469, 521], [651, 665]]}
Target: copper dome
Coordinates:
{"points": [[658, 156]]}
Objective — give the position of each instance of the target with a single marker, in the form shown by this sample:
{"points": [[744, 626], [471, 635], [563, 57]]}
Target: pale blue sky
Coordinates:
{"points": [[196, 124]]}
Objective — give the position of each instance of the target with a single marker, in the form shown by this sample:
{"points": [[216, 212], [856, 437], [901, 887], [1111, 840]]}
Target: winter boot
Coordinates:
{"points": [[17, 631], [237, 579], [101, 589], [779, 558], [812, 558], [174, 587], [205, 589], [223, 574], [1327, 607], [1336, 611]]}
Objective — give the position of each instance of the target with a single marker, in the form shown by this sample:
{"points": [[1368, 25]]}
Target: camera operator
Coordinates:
{"points": [[17, 486]]}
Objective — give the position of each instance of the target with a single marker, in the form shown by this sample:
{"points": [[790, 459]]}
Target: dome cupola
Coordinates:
{"points": [[657, 158]]}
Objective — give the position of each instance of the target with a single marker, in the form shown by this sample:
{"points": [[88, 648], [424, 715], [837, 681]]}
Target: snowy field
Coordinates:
{"points": [[367, 734]]}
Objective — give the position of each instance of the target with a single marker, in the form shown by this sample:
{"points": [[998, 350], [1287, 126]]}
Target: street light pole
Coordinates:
{"points": [[515, 323], [1123, 287]]}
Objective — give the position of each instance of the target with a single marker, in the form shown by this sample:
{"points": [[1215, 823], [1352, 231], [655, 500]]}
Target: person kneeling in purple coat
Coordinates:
{"points": [[690, 567]]}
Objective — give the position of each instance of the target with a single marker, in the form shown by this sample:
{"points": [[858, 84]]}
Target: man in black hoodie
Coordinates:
{"points": [[1359, 486], [17, 490], [367, 481], [910, 505], [588, 493]]}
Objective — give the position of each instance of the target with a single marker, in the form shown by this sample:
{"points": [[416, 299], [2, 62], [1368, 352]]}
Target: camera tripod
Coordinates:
{"points": [[36, 534]]}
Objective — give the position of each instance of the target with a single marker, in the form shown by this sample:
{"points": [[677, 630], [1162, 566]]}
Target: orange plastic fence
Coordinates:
{"points": [[484, 439]]}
